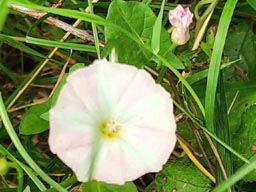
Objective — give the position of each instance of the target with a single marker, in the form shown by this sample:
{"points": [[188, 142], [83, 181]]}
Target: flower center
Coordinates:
{"points": [[110, 128]]}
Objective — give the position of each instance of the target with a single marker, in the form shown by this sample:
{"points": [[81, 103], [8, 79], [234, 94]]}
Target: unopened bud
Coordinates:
{"points": [[3, 166], [180, 18]]}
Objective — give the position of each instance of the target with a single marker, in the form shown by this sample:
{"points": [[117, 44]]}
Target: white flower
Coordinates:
{"points": [[112, 123], [180, 18]]}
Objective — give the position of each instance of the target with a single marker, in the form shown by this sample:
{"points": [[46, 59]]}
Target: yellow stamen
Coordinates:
{"points": [[110, 128]]}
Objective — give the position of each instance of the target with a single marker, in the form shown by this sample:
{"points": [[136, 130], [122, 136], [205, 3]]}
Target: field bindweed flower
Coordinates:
{"points": [[180, 18], [112, 123]]}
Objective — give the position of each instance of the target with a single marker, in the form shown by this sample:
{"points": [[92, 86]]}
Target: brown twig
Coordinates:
{"points": [[82, 34], [216, 154], [55, 5], [27, 105]]}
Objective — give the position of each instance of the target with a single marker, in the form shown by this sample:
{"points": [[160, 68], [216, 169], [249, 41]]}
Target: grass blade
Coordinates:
{"points": [[155, 42], [214, 67], [223, 132], [243, 171]]}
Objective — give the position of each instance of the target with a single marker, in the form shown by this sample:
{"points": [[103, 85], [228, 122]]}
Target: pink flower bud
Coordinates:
{"points": [[180, 18]]}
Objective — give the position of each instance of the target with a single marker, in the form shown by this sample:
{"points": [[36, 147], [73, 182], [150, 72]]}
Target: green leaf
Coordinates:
{"points": [[245, 138], [181, 175], [222, 131], [21, 46], [240, 43], [17, 143], [215, 62], [203, 73], [49, 43], [95, 186], [208, 45], [156, 36], [31, 122], [27, 189], [3, 13], [244, 100], [252, 3], [138, 19], [76, 66]]}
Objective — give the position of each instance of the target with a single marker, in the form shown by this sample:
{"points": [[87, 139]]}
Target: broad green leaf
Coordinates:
{"points": [[181, 175], [95, 186], [208, 45], [242, 102], [240, 44], [185, 131], [245, 139], [252, 3], [138, 19], [31, 122]]}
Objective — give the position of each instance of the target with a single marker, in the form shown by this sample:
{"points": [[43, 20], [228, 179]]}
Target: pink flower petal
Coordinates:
{"points": [[145, 128], [180, 18]]}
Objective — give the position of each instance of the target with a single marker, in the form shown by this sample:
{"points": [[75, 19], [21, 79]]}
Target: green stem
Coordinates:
{"points": [[66, 183], [200, 20], [198, 7], [12, 134], [4, 182], [29, 172], [95, 31], [20, 175]]}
